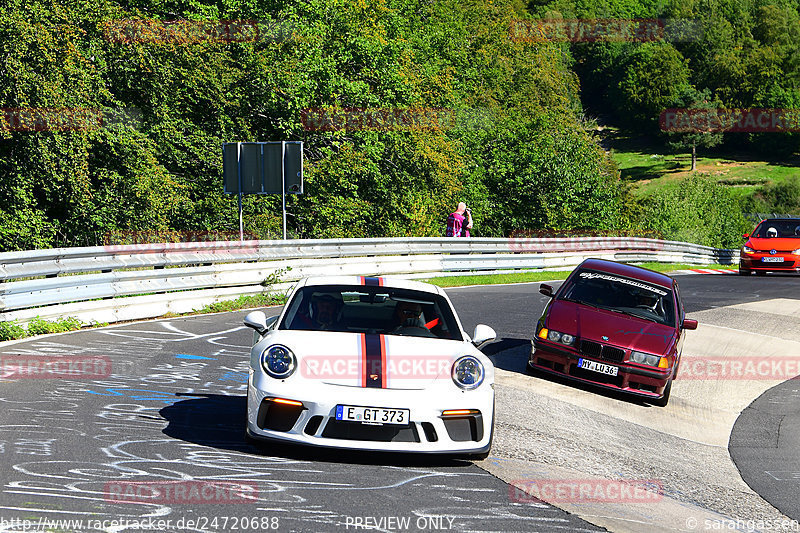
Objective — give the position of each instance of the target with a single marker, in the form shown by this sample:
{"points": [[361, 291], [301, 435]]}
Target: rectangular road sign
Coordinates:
{"points": [[262, 171]]}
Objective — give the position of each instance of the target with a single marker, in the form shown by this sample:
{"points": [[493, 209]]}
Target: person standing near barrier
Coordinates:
{"points": [[459, 225]]}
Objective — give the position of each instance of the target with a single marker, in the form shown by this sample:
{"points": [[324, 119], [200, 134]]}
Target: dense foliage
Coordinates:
{"points": [[740, 54], [519, 150]]}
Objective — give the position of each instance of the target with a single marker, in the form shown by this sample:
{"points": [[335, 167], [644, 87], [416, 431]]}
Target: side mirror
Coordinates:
{"points": [[258, 321], [546, 289], [688, 323], [482, 335], [746, 236]]}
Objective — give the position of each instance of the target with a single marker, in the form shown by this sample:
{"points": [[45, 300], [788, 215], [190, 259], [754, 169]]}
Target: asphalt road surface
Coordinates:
{"points": [[173, 410], [765, 445]]}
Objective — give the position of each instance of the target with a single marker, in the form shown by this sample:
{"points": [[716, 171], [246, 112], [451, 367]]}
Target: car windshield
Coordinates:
{"points": [[360, 309], [778, 228], [625, 295]]}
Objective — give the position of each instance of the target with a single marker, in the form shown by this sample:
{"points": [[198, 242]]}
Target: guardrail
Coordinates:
{"points": [[129, 282]]}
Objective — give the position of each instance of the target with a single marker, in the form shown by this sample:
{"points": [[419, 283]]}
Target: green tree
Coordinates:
{"points": [[703, 129], [654, 76]]}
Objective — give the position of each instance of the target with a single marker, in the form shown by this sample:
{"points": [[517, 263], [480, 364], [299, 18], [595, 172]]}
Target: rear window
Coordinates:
{"points": [[360, 309], [629, 296]]}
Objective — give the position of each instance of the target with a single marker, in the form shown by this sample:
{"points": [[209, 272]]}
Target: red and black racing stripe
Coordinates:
{"points": [[371, 282], [373, 361]]}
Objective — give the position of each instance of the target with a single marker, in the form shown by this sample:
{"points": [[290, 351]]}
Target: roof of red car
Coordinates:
{"points": [[629, 271]]}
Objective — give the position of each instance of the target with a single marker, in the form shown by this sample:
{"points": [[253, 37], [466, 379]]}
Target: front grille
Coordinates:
{"points": [[613, 354], [339, 429], [600, 351], [313, 425], [592, 349]]}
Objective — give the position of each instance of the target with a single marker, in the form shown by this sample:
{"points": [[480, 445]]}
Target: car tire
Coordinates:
{"points": [[744, 272], [662, 402]]}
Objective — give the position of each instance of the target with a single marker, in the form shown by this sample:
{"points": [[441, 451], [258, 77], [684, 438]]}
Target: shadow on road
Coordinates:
{"points": [[219, 421], [512, 355], [509, 354]]}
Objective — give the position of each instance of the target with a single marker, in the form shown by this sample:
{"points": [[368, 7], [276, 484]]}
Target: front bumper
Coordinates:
{"points": [[630, 379], [315, 424], [756, 262]]}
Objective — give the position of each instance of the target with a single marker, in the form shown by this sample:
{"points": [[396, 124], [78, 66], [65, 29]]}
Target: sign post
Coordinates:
{"points": [[263, 168], [283, 185]]}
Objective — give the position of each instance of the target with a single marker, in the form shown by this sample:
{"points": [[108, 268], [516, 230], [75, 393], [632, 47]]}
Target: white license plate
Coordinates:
{"points": [[373, 415], [772, 259], [600, 368]]}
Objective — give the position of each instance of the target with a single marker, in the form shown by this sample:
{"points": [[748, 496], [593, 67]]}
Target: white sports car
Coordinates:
{"points": [[370, 364]]}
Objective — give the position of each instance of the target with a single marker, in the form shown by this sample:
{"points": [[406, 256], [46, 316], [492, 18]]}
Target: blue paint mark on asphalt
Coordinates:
{"points": [[238, 377], [140, 394], [187, 356]]}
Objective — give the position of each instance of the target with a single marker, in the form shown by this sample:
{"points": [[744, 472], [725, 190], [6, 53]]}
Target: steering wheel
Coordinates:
{"points": [[413, 331]]}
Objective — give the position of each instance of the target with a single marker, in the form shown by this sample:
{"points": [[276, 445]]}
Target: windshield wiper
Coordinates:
{"points": [[627, 313], [579, 302]]}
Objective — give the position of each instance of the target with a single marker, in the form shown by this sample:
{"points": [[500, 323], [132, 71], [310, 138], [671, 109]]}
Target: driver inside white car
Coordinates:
{"points": [[408, 315]]}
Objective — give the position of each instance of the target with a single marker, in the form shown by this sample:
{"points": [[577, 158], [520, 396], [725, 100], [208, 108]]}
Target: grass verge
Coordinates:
{"points": [[11, 330], [501, 279], [242, 302]]}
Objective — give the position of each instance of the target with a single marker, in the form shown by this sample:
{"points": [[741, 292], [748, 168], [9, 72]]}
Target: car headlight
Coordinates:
{"points": [[278, 361], [796, 252], [468, 372], [748, 250], [648, 359], [556, 336]]}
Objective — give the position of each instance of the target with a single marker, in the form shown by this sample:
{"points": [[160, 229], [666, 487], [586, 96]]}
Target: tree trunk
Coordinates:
{"points": [[694, 158]]}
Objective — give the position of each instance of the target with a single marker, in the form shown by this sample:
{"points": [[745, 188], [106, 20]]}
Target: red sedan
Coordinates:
{"points": [[613, 325], [774, 246]]}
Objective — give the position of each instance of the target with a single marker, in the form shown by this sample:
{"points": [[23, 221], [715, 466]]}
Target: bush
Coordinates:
{"points": [[10, 330], [39, 326], [782, 197], [696, 210]]}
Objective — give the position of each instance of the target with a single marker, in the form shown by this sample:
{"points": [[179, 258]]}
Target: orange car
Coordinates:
{"points": [[774, 246]]}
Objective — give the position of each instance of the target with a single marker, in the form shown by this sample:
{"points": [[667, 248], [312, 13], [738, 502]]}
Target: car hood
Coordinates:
{"points": [[371, 360], [781, 244], [627, 332]]}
